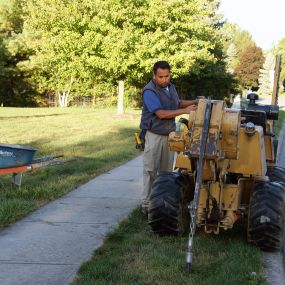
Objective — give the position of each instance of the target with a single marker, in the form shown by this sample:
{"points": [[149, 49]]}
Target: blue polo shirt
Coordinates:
{"points": [[151, 100]]}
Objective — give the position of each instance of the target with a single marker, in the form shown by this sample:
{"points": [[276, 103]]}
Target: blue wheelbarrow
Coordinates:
{"points": [[17, 159]]}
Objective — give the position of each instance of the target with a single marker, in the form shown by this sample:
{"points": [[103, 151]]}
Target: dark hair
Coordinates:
{"points": [[160, 64]]}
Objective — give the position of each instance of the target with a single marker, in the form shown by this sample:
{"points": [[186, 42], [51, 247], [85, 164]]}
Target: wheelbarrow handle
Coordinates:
{"points": [[47, 158]]}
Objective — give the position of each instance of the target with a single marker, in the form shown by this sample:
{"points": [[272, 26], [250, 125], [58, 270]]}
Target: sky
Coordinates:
{"points": [[263, 19]]}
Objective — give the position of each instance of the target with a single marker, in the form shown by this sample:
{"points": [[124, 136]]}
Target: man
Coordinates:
{"points": [[160, 107]]}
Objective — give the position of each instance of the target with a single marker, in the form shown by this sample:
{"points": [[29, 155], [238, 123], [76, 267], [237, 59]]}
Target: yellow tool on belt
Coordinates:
{"points": [[139, 143]]}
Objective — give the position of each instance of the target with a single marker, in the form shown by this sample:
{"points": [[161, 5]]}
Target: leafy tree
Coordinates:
{"points": [[137, 33], [14, 91], [234, 34], [11, 15], [250, 62], [63, 59], [281, 50], [236, 41], [79, 44], [265, 86], [231, 57]]}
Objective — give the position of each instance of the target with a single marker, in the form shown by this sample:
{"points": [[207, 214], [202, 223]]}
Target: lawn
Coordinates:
{"points": [[97, 139], [133, 255]]}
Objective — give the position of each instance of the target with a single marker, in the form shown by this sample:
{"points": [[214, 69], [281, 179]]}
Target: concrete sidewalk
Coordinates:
{"points": [[49, 245]]}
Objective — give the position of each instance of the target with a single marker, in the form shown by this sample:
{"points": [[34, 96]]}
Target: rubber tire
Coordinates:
{"points": [[276, 174], [170, 196], [266, 216]]}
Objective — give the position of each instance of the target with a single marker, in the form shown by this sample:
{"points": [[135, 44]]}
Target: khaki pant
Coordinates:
{"points": [[156, 158]]}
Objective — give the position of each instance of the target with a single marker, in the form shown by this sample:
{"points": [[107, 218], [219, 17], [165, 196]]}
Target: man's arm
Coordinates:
{"points": [[153, 104], [186, 103], [169, 114]]}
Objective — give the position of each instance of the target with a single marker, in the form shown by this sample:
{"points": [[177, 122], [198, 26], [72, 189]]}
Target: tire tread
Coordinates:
{"points": [[169, 194], [267, 200]]}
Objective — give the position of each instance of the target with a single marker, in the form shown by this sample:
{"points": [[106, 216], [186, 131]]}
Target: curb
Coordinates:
{"points": [[274, 268]]}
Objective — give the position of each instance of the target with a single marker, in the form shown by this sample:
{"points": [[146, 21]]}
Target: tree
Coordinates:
{"points": [[57, 33], [265, 85], [280, 49], [15, 90], [11, 15], [235, 41], [231, 57], [78, 44], [140, 32], [250, 62]]}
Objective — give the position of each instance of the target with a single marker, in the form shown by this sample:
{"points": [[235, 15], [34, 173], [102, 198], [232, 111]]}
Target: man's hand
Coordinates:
{"points": [[190, 108]]}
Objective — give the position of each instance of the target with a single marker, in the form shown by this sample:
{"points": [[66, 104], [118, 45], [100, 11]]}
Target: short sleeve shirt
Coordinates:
{"points": [[151, 101]]}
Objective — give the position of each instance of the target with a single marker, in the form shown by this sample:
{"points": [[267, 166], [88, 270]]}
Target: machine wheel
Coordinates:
{"points": [[168, 214], [266, 215], [276, 174]]}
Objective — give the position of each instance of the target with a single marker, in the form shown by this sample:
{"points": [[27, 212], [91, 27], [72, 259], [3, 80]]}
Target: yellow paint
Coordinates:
{"points": [[191, 119], [229, 150], [268, 141], [183, 162], [251, 159], [176, 141], [230, 197], [230, 133]]}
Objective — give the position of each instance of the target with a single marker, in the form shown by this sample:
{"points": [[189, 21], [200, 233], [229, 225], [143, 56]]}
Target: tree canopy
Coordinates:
{"points": [[76, 48], [281, 50], [265, 84], [250, 62], [236, 41], [15, 90]]}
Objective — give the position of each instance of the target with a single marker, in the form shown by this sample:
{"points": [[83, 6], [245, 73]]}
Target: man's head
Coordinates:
{"points": [[161, 73]]}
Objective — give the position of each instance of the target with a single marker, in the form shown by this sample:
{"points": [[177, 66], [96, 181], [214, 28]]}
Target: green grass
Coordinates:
{"points": [[98, 140], [133, 255]]}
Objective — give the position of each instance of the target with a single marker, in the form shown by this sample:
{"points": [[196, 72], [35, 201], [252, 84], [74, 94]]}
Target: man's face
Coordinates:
{"points": [[162, 77]]}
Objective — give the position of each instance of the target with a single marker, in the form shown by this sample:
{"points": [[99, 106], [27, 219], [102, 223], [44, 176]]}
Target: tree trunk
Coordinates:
{"points": [[63, 99], [120, 106], [64, 96]]}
